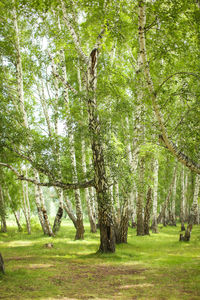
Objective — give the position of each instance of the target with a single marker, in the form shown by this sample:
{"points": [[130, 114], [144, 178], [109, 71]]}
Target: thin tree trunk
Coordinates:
{"points": [[68, 208], [28, 204], [2, 212], [122, 231], [92, 220], [25, 208], [17, 221], [47, 224], [59, 214], [147, 211], [14, 212], [182, 209], [195, 209], [140, 199], [39, 210], [154, 225], [173, 205]]}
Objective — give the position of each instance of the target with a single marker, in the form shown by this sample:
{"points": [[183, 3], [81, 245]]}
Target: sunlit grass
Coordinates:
{"points": [[149, 267]]}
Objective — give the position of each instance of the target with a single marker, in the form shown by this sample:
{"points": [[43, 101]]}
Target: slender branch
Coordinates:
{"points": [[27, 158], [64, 186], [172, 75]]}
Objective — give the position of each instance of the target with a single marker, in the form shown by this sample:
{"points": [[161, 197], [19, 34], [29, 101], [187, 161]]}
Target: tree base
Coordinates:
{"points": [[2, 268], [107, 239]]}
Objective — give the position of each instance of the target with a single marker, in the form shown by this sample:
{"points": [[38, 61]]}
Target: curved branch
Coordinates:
{"points": [[172, 75], [64, 186]]}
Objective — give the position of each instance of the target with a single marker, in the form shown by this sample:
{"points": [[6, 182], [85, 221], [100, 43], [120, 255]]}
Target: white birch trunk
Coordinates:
{"points": [[25, 207], [39, 209], [173, 212], [155, 196], [41, 202], [69, 210], [195, 206], [19, 68], [182, 208]]}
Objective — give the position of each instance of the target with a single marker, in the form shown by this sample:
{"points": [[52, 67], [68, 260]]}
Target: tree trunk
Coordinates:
{"points": [[79, 215], [2, 212], [68, 208], [105, 214], [59, 214], [2, 268], [173, 205], [195, 209], [154, 225], [39, 210], [17, 221], [92, 220], [122, 230], [140, 199], [182, 209], [25, 208], [47, 224], [147, 211]]}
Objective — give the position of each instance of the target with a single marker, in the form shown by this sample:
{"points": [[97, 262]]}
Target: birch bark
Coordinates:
{"points": [[155, 197], [25, 208], [140, 199], [173, 211], [195, 206], [182, 208]]}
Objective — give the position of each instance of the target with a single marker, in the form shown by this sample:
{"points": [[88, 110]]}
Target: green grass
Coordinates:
{"points": [[149, 267]]}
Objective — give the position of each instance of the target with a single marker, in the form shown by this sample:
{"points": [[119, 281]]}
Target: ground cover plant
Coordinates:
{"points": [[148, 267]]}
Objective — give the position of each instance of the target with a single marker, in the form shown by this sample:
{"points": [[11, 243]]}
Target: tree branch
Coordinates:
{"points": [[172, 75], [64, 186]]}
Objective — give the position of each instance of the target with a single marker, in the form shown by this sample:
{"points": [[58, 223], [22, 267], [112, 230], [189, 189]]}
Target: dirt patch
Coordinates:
{"points": [[19, 258], [130, 286], [39, 266], [104, 270], [97, 273]]}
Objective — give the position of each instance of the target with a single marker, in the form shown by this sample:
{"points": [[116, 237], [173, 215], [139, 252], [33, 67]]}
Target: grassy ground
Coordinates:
{"points": [[149, 267]]}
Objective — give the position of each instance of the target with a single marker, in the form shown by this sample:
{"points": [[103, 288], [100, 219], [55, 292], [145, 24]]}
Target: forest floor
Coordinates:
{"points": [[148, 267]]}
